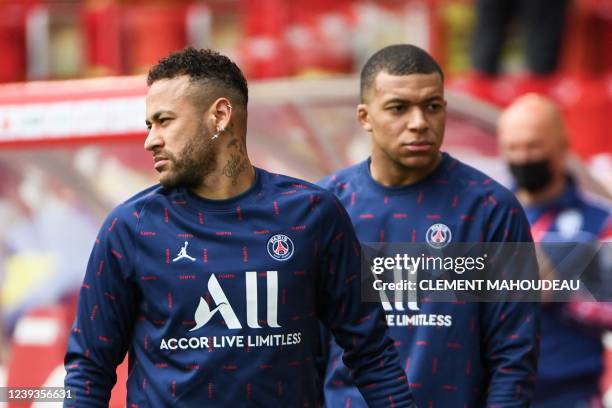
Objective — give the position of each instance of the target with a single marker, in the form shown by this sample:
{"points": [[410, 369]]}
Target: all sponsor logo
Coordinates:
{"points": [[404, 310], [219, 304], [204, 313]]}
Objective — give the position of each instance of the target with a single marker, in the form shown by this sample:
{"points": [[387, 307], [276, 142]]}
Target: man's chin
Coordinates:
{"points": [[419, 162], [167, 181], [175, 180]]}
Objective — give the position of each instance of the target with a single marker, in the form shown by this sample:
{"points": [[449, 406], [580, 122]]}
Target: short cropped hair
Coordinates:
{"points": [[399, 59], [206, 67]]}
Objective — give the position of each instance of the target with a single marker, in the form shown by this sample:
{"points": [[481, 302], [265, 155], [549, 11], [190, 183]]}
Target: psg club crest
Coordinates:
{"points": [[438, 236], [280, 247]]}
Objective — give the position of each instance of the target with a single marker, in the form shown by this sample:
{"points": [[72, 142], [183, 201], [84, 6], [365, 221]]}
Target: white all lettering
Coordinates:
{"points": [[411, 303], [272, 293], [204, 313]]}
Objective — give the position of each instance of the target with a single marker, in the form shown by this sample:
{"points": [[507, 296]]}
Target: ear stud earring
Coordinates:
{"points": [[219, 130]]}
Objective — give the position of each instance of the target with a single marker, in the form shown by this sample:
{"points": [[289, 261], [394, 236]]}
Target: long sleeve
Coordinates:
{"points": [[511, 329], [358, 327], [106, 313], [510, 341]]}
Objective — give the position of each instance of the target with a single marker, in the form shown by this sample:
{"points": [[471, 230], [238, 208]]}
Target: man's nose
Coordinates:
{"points": [[153, 139], [416, 120]]}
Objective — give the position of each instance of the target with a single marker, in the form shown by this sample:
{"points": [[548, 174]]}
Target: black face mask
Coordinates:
{"points": [[533, 176]]}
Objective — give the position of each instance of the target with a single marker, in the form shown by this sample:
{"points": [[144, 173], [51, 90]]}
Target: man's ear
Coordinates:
{"points": [[220, 113], [363, 117]]}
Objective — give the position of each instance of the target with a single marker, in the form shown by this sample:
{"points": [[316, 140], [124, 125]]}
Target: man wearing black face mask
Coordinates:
{"points": [[532, 176], [532, 141]]}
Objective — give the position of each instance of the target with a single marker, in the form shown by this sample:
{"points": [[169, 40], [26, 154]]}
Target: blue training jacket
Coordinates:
{"points": [[455, 354], [219, 302]]}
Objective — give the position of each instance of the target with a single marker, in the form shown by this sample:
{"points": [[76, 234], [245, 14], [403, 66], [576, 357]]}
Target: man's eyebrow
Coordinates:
{"points": [[404, 101], [434, 98], [397, 100], [157, 114]]}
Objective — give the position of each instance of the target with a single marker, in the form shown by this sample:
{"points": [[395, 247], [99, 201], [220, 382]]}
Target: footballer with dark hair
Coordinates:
{"points": [[408, 191], [215, 281]]}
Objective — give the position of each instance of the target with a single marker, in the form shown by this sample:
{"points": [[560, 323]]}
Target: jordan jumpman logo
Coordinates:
{"points": [[183, 253]]}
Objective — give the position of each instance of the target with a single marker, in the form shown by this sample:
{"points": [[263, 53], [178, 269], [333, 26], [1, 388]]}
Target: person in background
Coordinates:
{"points": [[533, 142], [455, 354], [543, 22], [215, 281]]}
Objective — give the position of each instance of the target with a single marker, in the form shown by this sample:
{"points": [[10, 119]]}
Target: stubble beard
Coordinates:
{"points": [[195, 162]]}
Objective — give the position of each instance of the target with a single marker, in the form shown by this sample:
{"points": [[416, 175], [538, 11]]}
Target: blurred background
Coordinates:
{"points": [[72, 115]]}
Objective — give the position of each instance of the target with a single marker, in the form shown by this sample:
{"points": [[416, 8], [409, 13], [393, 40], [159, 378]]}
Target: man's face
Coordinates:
{"points": [[531, 135], [525, 140], [178, 137], [406, 116]]}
